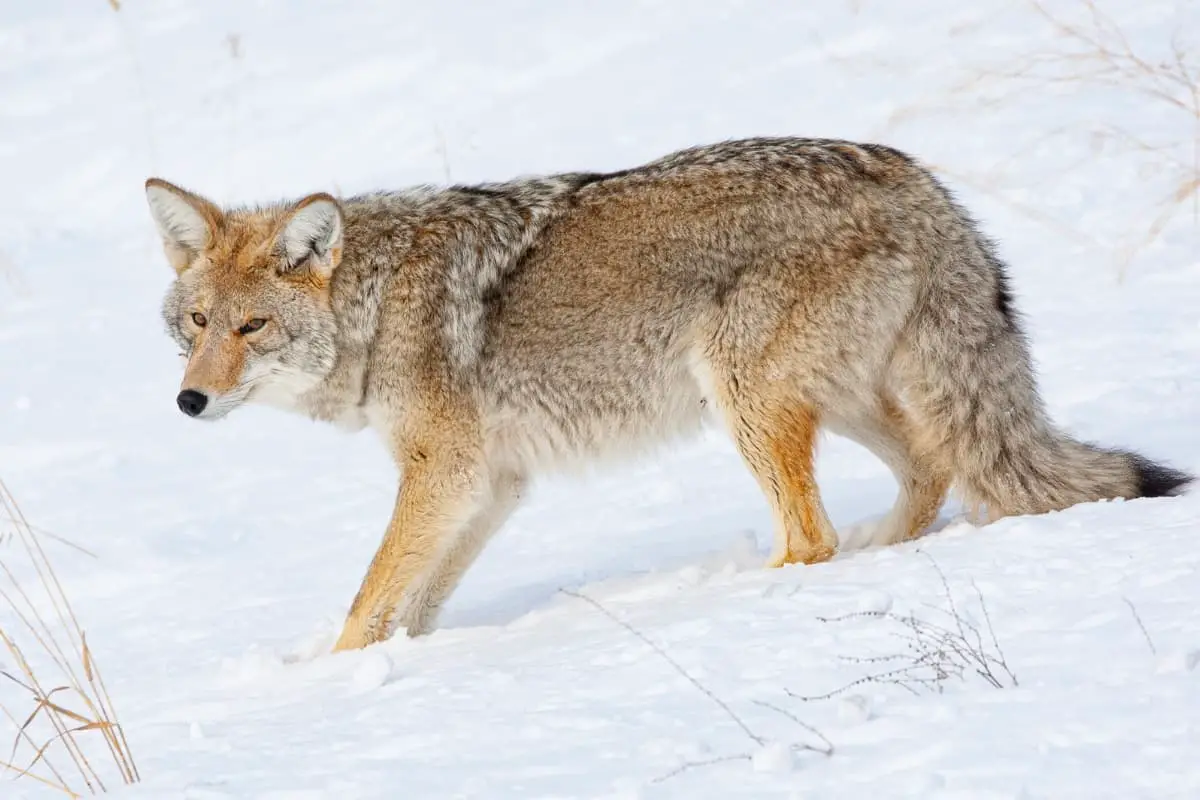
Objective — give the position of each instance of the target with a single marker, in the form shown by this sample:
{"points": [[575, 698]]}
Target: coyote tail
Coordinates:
{"points": [[976, 392]]}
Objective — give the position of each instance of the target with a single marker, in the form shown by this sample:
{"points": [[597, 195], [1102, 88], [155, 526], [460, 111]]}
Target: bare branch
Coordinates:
{"points": [[708, 762], [1092, 49], [825, 749], [1138, 619], [721, 704]]}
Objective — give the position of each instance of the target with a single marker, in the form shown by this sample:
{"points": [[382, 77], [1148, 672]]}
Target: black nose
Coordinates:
{"points": [[191, 402]]}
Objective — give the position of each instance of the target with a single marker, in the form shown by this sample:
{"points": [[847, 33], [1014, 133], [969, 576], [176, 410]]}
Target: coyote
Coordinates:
{"points": [[489, 333]]}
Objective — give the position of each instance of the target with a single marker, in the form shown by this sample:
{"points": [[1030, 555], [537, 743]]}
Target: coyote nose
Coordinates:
{"points": [[191, 402]]}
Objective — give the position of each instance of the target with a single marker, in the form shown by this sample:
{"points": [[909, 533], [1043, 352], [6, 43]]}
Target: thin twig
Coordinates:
{"points": [[987, 619], [708, 762], [721, 704], [1138, 619], [827, 750]]}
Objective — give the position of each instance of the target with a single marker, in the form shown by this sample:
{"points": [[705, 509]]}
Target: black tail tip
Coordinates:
{"points": [[1157, 480]]}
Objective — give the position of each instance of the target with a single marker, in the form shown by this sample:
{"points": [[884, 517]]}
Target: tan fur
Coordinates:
{"points": [[492, 333], [216, 363], [438, 497]]}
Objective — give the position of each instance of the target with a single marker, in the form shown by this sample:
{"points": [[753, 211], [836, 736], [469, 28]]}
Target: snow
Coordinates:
{"points": [[228, 553]]}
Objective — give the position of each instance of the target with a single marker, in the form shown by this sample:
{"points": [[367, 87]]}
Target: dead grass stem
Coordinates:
{"points": [[55, 671]]}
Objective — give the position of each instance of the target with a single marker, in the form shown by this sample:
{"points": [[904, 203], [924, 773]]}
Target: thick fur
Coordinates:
{"points": [[493, 332]]}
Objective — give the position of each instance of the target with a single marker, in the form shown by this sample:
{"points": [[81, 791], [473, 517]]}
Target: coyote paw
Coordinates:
{"points": [[359, 634], [350, 641], [813, 555]]}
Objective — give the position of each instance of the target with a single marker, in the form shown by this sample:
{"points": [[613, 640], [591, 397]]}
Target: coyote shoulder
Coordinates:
{"points": [[492, 332]]}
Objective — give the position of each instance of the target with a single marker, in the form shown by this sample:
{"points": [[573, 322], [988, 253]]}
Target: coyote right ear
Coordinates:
{"points": [[311, 238], [185, 221]]}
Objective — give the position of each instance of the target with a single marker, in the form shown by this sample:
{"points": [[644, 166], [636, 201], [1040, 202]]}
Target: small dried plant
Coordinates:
{"points": [[1090, 49], [942, 645], [1097, 51], [62, 718]]}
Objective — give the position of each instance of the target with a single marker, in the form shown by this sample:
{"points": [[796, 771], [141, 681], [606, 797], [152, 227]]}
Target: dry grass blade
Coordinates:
{"points": [[52, 535], [61, 729], [46, 627], [40, 754], [87, 659], [44, 781], [66, 712]]}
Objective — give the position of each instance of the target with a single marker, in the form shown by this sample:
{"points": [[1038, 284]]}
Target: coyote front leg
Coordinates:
{"points": [[423, 599], [437, 497]]}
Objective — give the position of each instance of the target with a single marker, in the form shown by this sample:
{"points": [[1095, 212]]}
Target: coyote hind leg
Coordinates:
{"points": [[889, 431], [924, 480], [777, 438]]}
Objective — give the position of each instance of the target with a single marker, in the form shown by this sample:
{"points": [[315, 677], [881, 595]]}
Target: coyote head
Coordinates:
{"points": [[250, 305]]}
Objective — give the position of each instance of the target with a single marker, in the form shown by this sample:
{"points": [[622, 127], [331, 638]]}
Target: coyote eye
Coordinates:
{"points": [[199, 319], [252, 326]]}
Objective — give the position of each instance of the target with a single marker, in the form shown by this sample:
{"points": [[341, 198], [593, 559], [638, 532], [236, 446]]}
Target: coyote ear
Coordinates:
{"points": [[311, 239], [185, 221]]}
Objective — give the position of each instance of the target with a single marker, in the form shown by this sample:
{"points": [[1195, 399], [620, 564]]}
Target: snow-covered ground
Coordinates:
{"points": [[227, 553]]}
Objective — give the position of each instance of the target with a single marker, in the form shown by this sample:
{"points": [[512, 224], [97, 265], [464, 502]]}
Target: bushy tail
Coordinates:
{"points": [[972, 383]]}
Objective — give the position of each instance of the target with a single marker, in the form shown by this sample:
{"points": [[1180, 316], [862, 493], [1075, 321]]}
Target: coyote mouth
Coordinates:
{"points": [[218, 407]]}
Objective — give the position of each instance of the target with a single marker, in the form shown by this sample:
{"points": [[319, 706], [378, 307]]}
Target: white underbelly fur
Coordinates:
{"points": [[530, 442]]}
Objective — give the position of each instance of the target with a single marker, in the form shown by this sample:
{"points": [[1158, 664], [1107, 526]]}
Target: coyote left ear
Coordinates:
{"points": [[311, 239]]}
